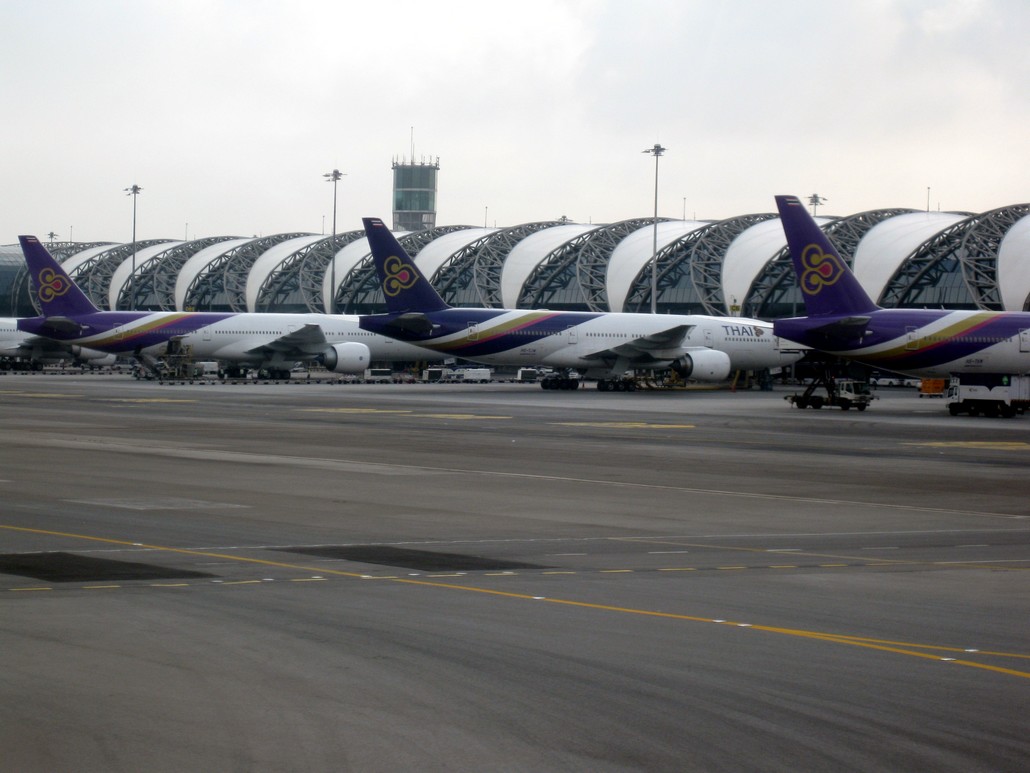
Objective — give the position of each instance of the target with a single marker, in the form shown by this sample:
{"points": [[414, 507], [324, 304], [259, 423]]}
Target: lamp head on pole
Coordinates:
{"points": [[334, 176], [135, 190], [657, 150]]}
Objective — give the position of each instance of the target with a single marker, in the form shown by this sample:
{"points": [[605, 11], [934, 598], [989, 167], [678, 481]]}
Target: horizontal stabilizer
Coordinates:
{"points": [[413, 322], [61, 325]]}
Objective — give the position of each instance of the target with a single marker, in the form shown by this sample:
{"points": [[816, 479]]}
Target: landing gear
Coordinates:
{"points": [[616, 385], [559, 382]]}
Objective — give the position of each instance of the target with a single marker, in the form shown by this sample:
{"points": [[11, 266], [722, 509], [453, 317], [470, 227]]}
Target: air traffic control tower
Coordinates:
{"points": [[414, 194]]}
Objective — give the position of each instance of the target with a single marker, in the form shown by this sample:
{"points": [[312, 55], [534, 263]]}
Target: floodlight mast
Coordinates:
{"points": [[134, 191], [332, 177], [656, 151]]}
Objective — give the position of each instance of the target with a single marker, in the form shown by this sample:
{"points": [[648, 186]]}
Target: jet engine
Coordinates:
{"points": [[92, 356], [349, 357], [703, 365]]}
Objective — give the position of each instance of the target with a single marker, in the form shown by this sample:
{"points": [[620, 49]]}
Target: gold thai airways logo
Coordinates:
{"points": [[51, 285], [818, 269], [399, 276]]}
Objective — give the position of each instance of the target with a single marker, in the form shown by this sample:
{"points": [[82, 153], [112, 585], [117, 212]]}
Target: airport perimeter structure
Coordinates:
{"points": [[737, 266]]}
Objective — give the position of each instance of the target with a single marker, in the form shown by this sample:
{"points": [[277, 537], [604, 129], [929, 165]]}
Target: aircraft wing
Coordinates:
{"points": [[305, 341], [34, 346], [656, 347]]}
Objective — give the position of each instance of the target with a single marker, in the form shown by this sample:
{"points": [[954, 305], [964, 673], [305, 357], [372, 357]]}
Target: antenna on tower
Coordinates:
{"points": [[413, 144]]}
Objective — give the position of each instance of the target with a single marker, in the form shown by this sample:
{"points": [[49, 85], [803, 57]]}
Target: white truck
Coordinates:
{"points": [[988, 394], [378, 375], [471, 375]]}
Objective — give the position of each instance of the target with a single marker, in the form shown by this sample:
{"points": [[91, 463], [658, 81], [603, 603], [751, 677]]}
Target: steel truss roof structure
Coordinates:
{"points": [[903, 257]]}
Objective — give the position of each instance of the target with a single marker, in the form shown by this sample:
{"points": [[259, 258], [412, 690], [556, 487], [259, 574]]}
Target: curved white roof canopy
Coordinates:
{"points": [[530, 253], [1014, 266], [634, 252], [199, 264], [884, 248], [73, 263], [747, 255], [121, 275], [344, 262], [432, 257], [270, 260]]}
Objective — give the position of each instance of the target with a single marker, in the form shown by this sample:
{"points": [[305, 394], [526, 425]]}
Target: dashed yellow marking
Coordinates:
{"points": [[987, 445], [911, 649], [33, 394], [404, 412], [623, 425], [145, 400], [457, 416], [352, 410]]}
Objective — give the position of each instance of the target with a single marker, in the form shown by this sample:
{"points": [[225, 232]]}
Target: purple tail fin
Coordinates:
{"points": [[827, 284], [403, 286], [58, 295]]}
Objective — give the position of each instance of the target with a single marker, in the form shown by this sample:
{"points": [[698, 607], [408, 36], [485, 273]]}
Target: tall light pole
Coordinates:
{"points": [[656, 151], [815, 200], [332, 177], [134, 191]]}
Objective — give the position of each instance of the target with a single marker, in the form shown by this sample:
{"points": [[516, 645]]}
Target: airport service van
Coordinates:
{"points": [[378, 375], [988, 394], [466, 375]]}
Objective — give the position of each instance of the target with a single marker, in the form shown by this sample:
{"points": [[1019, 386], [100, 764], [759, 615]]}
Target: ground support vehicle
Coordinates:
{"points": [[989, 394], [933, 387], [843, 393]]}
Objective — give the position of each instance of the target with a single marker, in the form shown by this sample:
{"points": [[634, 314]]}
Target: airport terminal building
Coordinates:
{"points": [[737, 266]]}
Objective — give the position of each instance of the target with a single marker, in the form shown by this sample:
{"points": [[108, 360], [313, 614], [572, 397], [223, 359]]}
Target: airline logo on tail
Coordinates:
{"points": [[819, 269], [399, 276], [51, 285]]}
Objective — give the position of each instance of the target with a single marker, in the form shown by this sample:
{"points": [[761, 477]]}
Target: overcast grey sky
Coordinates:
{"points": [[228, 112]]}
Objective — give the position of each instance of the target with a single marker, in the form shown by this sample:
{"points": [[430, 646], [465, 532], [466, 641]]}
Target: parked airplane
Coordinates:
{"points": [[38, 351], [597, 345], [272, 342], [844, 321]]}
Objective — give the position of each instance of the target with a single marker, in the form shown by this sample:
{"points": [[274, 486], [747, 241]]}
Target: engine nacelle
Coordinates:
{"points": [[703, 365], [92, 356], [349, 357]]}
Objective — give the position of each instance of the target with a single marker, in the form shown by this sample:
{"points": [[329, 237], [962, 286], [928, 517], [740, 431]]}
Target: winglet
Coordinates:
{"points": [[404, 288], [827, 284], [58, 295]]}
